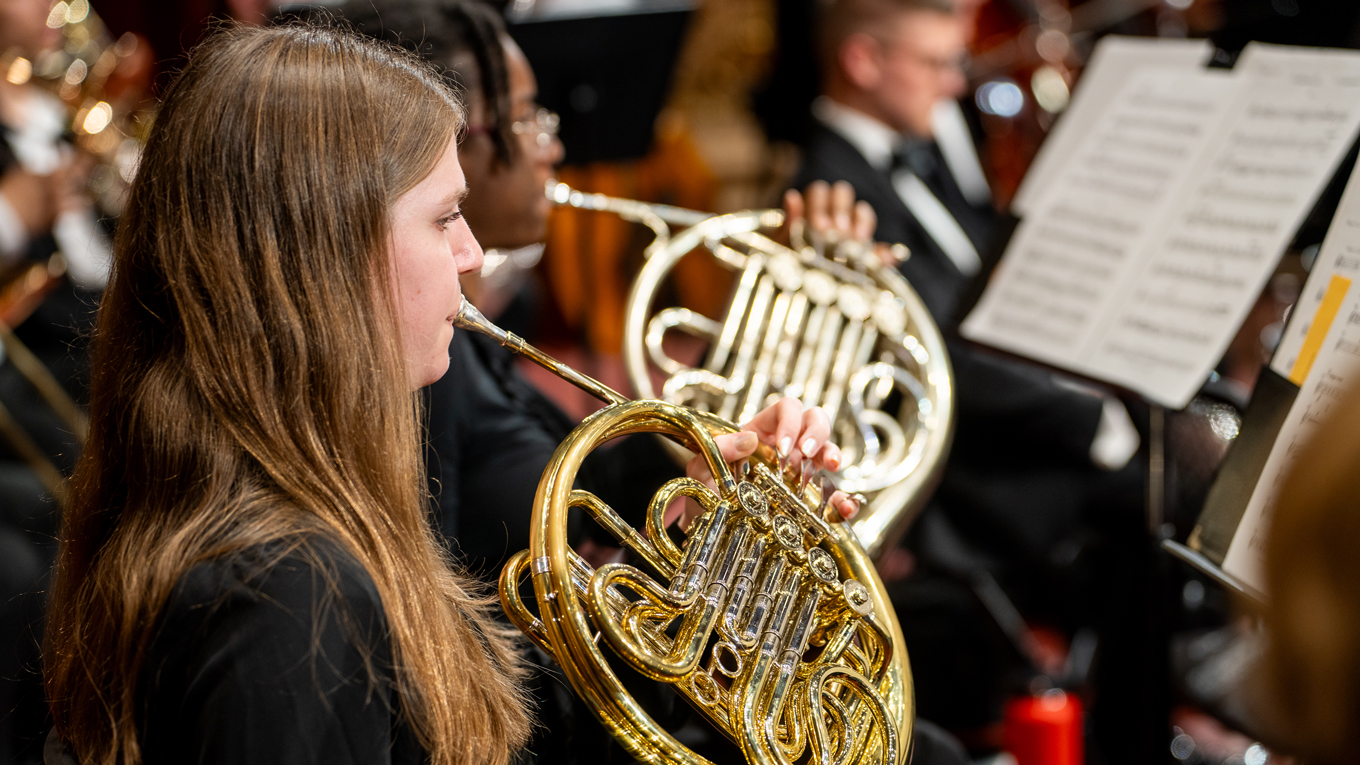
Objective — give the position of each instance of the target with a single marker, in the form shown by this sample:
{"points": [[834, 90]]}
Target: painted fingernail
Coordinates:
{"points": [[809, 447], [833, 462], [746, 441], [785, 445]]}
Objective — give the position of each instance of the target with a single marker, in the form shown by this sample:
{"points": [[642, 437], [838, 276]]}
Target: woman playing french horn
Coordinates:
{"points": [[247, 573]]}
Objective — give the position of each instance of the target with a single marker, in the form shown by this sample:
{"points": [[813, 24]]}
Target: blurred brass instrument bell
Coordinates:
{"points": [[88, 73], [770, 619], [823, 322]]}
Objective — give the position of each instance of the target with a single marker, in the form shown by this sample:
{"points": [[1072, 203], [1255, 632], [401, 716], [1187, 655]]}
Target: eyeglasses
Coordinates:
{"points": [[938, 65], [542, 127]]}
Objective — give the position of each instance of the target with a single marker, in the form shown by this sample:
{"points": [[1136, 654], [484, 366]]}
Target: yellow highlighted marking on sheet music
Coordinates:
{"points": [[1317, 331]]}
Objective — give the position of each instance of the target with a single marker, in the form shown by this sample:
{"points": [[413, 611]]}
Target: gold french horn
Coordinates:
{"points": [[770, 619], [823, 322]]}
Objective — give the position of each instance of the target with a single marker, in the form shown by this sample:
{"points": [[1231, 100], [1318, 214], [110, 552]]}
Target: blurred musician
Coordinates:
{"points": [[1029, 464], [888, 66], [42, 201], [44, 208]]}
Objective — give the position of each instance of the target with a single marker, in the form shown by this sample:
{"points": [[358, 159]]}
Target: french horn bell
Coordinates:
{"points": [[824, 322]]}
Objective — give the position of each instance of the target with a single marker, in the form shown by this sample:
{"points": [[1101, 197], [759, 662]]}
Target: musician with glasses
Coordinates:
{"points": [[1037, 466]]}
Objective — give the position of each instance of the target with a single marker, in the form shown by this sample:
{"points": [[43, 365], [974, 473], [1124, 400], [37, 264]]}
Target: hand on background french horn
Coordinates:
{"points": [[829, 213], [798, 435]]}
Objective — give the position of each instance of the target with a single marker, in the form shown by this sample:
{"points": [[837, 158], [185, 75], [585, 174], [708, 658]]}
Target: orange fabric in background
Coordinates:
{"points": [[591, 258]]}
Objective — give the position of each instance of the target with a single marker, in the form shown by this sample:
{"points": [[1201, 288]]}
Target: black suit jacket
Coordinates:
{"points": [[829, 157]]}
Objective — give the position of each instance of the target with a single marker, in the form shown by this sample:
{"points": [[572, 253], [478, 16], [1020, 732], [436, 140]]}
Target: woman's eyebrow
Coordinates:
{"points": [[454, 197]]}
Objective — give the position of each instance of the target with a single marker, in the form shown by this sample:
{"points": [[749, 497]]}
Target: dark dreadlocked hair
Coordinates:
{"points": [[461, 37]]}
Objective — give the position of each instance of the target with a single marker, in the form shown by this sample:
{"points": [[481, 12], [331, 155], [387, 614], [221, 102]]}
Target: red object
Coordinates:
{"points": [[1045, 729]]}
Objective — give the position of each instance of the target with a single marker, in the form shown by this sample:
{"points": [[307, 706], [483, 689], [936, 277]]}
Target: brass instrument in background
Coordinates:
{"points": [[770, 620], [32, 369], [828, 324], [103, 84], [109, 119], [84, 72]]}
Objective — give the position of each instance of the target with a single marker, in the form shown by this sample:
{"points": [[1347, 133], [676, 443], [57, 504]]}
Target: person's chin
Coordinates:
{"points": [[434, 371], [542, 207], [540, 221]]}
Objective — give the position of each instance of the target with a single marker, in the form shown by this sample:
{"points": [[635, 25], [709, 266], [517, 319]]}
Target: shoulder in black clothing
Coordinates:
{"points": [[274, 655], [490, 434]]}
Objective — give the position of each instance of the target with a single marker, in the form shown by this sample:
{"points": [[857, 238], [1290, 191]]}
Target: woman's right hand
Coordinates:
{"points": [[796, 434]]}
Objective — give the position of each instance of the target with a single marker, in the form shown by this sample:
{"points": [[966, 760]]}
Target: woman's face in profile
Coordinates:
{"points": [[431, 246]]}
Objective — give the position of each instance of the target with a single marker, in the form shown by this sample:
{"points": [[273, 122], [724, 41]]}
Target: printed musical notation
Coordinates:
{"points": [[1070, 256], [1112, 64], [1153, 240], [1339, 256], [1333, 374]]}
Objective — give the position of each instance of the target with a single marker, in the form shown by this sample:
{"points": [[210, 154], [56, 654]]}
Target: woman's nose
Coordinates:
{"points": [[552, 154], [467, 252]]}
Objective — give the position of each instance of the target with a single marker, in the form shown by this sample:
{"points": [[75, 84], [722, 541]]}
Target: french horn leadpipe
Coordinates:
{"points": [[822, 321], [769, 619]]}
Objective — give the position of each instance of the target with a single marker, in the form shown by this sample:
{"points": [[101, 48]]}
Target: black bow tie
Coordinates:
{"points": [[917, 156]]}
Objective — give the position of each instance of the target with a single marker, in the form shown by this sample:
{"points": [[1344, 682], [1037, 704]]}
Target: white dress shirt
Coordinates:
{"points": [[960, 155], [877, 142]]}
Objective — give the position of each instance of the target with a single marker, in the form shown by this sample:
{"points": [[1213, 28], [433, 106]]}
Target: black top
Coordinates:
{"points": [[265, 659], [491, 434]]}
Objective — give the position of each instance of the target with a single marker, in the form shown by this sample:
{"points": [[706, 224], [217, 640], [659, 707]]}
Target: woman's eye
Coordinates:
{"points": [[448, 220]]}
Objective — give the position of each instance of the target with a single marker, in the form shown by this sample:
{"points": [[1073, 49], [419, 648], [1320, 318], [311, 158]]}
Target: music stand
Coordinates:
{"points": [[605, 69]]}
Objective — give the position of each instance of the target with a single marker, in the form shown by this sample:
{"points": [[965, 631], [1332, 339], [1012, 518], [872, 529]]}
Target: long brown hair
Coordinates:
{"points": [[1309, 678], [248, 384]]}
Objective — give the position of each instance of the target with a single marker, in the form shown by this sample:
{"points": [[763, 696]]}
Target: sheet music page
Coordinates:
{"points": [[1338, 257], [1225, 233], [1069, 257], [1201, 251], [1337, 366], [1267, 60], [1115, 60]]}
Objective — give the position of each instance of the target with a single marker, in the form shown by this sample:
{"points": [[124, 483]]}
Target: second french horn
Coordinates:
{"points": [[825, 323]]}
